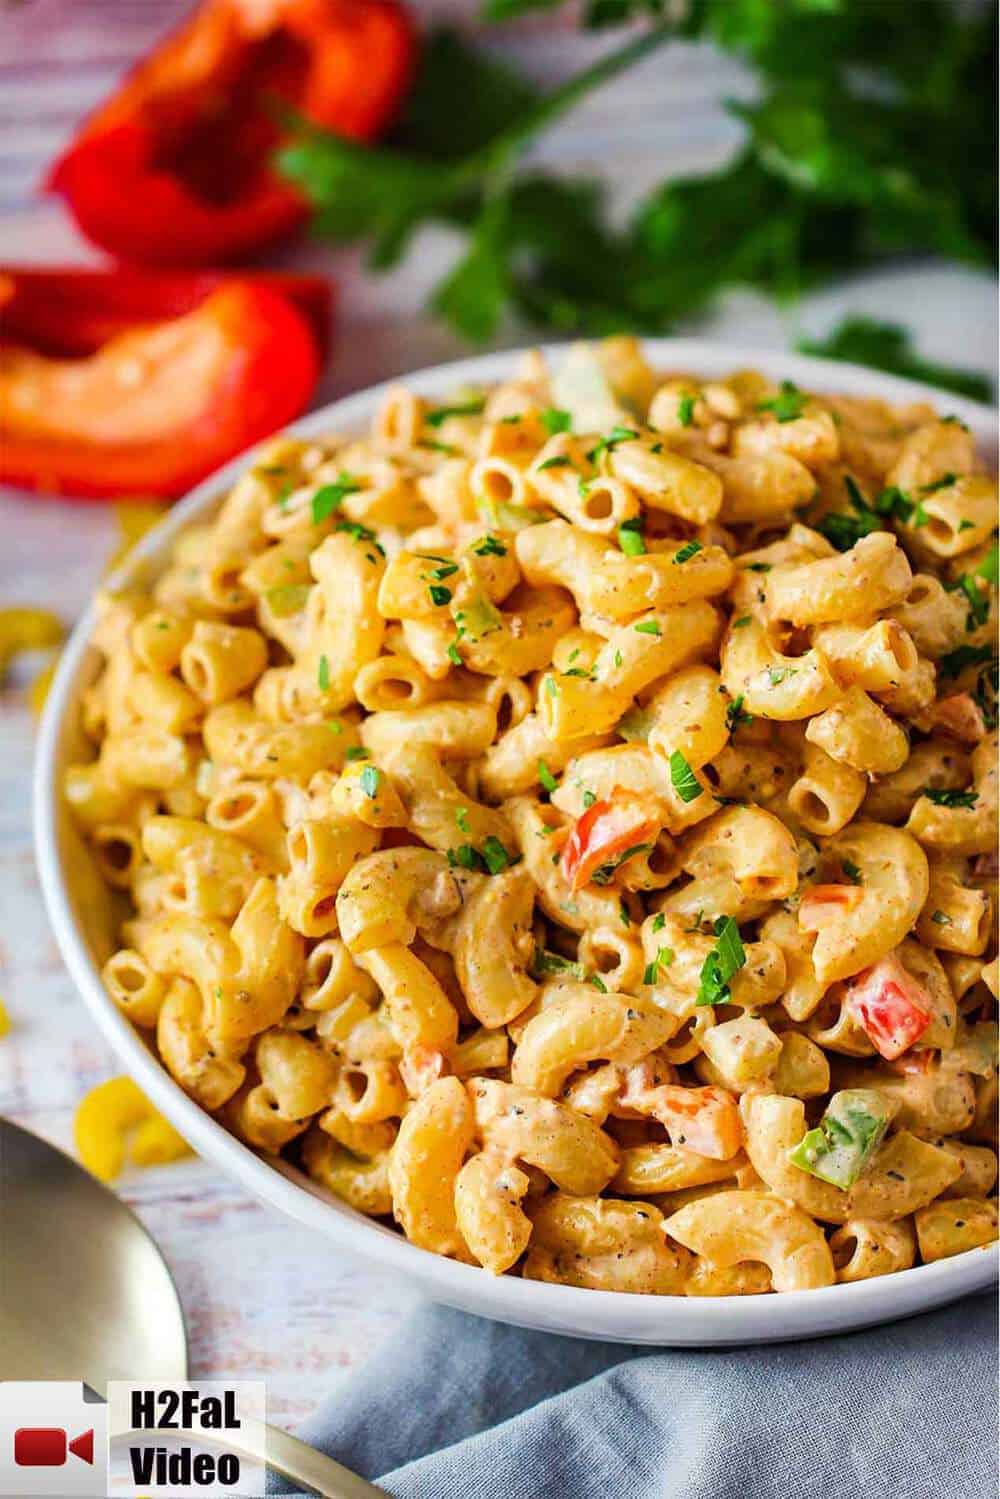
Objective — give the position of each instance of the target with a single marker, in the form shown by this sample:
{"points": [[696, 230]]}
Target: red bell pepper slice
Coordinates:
{"points": [[175, 168], [891, 1007], [75, 310], [161, 406], [605, 832]]}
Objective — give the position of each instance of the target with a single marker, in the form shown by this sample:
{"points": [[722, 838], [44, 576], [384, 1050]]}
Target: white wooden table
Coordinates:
{"points": [[263, 1297]]}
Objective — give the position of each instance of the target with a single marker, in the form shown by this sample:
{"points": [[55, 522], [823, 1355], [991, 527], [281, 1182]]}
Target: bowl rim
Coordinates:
{"points": [[568, 1309]]}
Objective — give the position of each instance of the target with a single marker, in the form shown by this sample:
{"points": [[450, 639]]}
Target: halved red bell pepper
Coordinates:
{"points": [[175, 169], [75, 310], [158, 407]]}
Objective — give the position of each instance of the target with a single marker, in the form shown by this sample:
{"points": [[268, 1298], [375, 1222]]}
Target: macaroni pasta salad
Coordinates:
{"points": [[563, 821]]}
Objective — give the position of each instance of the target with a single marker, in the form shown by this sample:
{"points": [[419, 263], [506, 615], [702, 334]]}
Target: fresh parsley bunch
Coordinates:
{"points": [[873, 135]]}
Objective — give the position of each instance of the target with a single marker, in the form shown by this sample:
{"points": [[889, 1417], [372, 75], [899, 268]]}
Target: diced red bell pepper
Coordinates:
{"points": [[607, 830], [821, 905], [157, 408], [891, 1007], [75, 310], [175, 168], [705, 1120]]}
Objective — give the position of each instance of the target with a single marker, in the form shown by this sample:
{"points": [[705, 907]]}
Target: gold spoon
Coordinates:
{"points": [[87, 1296]]}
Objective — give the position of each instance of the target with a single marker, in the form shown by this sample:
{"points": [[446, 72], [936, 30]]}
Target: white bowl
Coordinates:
{"points": [[78, 910]]}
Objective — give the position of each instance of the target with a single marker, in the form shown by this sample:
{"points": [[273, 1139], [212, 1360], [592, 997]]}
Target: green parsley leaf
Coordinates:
{"points": [[683, 778], [742, 622], [439, 595], [330, 498], [440, 414], [949, 798], [887, 346], [453, 654], [544, 963], [462, 819], [787, 405], [852, 871], [546, 779], [722, 964], [647, 627], [356, 752], [323, 674], [663, 959], [559, 460], [685, 410], [490, 547], [736, 714], [630, 537], [688, 550], [659, 922], [989, 568], [955, 662], [554, 420], [589, 798], [495, 855]]}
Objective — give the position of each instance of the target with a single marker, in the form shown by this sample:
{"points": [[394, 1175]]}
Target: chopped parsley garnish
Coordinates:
{"points": [[852, 871], [330, 498], [647, 627], [685, 410], [787, 405], [945, 482], [545, 962], [495, 855], [606, 872], [742, 622], [597, 982], [356, 752], [554, 420], [659, 922], [944, 797], [955, 662], [630, 537], [736, 714], [663, 959], [683, 778], [490, 547], [462, 819], [989, 568], [323, 674], [546, 779], [759, 567], [940, 918], [688, 550], [438, 447], [439, 595], [777, 674], [465, 857], [473, 407], [453, 654], [608, 444], [369, 781], [977, 599], [361, 533], [589, 798], [558, 461], [722, 964]]}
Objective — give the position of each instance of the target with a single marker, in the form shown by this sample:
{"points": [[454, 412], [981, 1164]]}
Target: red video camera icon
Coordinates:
{"points": [[48, 1446]]}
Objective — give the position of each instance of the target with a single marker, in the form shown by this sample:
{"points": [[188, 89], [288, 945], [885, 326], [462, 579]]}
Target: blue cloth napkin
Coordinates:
{"points": [[458, 1408]]}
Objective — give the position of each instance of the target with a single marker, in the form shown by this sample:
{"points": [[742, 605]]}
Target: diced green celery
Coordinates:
{"points": [[846, 1138]]}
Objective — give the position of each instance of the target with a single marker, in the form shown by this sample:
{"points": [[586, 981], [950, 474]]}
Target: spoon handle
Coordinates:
{"points": [[302, 1464]]}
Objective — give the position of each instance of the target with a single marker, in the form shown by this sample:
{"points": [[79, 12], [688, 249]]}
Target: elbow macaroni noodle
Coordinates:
{"points": [[547, 818]]}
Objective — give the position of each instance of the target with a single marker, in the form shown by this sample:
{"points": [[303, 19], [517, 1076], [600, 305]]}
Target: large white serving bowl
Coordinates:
{"points": [[79, 911]]}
